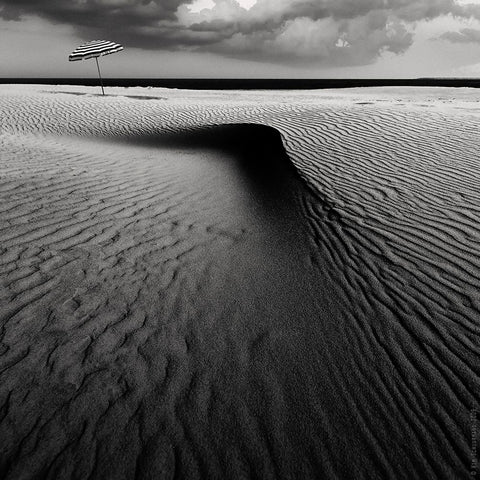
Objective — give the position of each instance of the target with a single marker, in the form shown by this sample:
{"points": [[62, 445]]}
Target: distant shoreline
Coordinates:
{"points": [[251, 84]]}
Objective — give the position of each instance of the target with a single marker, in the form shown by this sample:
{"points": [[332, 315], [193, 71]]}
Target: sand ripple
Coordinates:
{"points": [[181, 299]]}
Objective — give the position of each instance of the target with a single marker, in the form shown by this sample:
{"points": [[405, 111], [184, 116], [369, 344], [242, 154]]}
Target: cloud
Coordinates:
{"points": [[135, 20], [329, 32], [465, 35]]}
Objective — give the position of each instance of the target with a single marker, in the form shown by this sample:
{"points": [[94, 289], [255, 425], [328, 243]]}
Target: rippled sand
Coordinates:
{"points": [[227, 285]]}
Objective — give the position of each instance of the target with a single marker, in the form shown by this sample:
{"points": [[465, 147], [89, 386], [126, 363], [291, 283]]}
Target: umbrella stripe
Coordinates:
{"points": [[95, 45], [93, 49], [96, 50], [93, 55]]}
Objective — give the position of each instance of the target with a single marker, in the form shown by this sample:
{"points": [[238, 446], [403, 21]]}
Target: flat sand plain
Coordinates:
{"points": [[238, 285]]}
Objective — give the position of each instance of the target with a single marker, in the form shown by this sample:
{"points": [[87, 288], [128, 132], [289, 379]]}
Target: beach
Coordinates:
{"points": [[238, 285]]}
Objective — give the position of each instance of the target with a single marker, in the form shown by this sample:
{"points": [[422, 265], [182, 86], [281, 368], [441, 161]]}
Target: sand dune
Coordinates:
{"points": [[238, 285]]}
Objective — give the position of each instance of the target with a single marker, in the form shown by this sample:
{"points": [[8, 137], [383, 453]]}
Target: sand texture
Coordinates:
{"points": [[238, 285]]}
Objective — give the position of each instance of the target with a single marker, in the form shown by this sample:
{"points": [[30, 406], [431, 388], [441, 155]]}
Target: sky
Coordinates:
{"points": [[244, 38]]}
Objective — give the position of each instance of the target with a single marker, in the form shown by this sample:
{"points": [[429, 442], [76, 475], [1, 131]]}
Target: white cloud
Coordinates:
{"points": [[199, 5]]}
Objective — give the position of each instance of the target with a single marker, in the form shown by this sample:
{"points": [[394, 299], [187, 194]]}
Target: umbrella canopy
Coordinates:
{"points": [[95, 49]]}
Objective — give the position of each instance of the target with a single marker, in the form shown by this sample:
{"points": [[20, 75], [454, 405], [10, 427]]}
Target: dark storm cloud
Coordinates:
{"points": [[330, 32], [138, 22]]}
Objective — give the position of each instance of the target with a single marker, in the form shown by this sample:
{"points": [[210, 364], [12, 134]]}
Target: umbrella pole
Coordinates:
{"points": [[100, 75]]}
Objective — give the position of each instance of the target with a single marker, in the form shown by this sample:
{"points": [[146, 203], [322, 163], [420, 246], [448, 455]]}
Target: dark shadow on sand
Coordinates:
{"points": [[257, 151], [262, 161], [88, 94]]}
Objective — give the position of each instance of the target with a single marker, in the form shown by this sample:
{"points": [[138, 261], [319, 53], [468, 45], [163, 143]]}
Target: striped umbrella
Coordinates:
{"points": [[95, 49]]}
